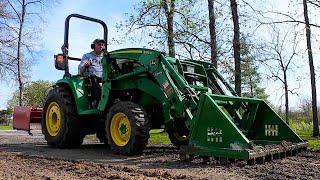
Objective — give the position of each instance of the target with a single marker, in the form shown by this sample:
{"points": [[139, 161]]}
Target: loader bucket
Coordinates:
{"points": [[24, 116], [240, 128]]}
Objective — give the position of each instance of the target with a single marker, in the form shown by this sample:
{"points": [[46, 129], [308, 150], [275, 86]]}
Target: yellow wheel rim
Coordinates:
{"points": [[53, 119], [180, 137], [120, 129]]}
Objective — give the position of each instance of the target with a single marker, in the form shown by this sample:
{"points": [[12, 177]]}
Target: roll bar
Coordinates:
{"points": [[65, 46]]}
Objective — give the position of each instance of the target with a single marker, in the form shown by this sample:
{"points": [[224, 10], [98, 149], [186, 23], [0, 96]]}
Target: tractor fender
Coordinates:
{"points": [[77, 87]]}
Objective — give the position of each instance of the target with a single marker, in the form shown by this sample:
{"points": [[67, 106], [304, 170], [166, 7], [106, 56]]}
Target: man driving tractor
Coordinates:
{"points": [[91, 64]]}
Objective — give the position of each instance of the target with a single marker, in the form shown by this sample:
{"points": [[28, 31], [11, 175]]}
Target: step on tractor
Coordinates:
{"points": [[144, 89]]}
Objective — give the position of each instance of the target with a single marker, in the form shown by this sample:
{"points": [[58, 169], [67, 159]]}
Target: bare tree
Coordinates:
{"points": [[236, 46], [169, 9], [24, 13], [295, 18], [188, 36], [305, 105], [152, 14], [279, 59], [6, 68], [213, 35], [316, 3], [21, 17], [312, 73]]}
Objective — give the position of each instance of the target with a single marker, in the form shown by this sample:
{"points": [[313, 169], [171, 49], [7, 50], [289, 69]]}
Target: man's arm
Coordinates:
{"points": [[84, 62]]}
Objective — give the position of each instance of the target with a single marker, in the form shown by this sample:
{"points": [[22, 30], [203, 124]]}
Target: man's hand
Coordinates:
{"points": [[87, 63]]}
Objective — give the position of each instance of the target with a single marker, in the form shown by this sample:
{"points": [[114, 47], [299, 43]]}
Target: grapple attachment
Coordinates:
{"points": [[240, 128]]}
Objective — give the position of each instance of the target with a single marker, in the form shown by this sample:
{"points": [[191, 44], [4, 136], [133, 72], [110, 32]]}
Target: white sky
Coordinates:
{"points": [[83, 33]]}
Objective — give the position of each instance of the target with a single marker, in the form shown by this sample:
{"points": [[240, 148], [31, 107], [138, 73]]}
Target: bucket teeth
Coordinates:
{"points": [[191, 157], [251, 162], [206, 159], [224, 160], [271, 157], [186, 157], [268, 158], [183, 157], [276, 156], [260, 160]]}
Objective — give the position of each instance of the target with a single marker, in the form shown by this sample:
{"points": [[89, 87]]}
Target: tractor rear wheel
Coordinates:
{"points": [[61, 126], [127, 128], [178, 139]]}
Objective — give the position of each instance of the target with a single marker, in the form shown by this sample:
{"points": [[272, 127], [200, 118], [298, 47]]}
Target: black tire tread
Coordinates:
{"points": [[72, 135], [140, 128]]}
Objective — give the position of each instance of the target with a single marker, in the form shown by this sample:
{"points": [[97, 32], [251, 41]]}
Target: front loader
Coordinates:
{"points": [[143, 89]]}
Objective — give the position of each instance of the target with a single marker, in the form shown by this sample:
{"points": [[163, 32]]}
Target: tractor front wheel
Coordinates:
{"points": [[60, 124], [127, 128]]}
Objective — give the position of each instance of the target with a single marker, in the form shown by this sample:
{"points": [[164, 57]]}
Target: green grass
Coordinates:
{"points": [[304, 130], [6, 127], [314, 142], [158, 136]]}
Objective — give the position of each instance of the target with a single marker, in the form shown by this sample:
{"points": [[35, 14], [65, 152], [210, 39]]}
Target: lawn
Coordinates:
{"points": [[314, 143], [304, 130], [6, 127], [158, 136]]}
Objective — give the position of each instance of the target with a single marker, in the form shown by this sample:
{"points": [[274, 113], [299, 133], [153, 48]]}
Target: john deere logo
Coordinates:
{"points": [[214, 134], [271, 130]]}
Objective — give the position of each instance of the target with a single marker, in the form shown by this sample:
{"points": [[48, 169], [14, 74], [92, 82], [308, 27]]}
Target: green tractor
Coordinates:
{"points": [[143, 89]]}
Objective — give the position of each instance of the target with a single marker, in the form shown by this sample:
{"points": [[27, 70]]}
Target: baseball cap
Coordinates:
{"points": [[99, 40]]}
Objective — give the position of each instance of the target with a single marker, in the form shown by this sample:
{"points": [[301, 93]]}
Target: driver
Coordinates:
{"points": [[91, 62]]}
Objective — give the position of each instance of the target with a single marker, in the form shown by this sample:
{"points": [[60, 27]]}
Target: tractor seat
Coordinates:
{"points": [[87, 84]]}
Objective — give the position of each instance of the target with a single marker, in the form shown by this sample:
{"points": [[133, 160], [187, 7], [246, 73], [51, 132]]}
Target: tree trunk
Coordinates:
{"points": [[212, 28], [286, 96], [251, 87], [236, 46], [169, 15], [19, 58], [312, 73]]}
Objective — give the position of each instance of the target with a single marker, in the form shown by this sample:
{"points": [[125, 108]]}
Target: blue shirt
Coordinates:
{"points": [[96, 65]]}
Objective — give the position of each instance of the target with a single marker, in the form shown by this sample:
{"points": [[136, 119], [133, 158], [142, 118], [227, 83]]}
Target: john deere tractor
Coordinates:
{"points": [[143, 89]]}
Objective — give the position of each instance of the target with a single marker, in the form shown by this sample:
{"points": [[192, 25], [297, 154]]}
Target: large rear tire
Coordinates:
{"points": [[61, 126], [127, 128]]}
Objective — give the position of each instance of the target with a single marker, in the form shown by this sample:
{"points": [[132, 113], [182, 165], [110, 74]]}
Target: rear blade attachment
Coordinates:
{"points": [[24, 116]]}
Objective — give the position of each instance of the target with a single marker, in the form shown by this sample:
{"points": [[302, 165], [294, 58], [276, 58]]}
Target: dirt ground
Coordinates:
{"points": [[28, 157]]}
